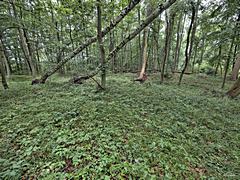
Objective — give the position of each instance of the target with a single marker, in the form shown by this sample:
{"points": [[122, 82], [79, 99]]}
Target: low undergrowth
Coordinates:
{"points": [[151, 130]]}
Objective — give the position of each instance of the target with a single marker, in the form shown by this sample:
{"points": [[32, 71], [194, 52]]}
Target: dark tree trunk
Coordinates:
{"points": [[187, 52]]}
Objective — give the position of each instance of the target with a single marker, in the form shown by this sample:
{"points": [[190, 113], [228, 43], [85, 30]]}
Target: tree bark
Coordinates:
{"points": [[166, 48], [227, 63], [177, 50], [187, 52], [235, 89], [236, 68], [112, 25], [2, 69], [219, 59], [101, 46], [144, 53]]}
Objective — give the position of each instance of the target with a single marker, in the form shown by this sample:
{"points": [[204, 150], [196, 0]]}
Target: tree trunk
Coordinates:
{"points": [[230, 50], [72, 54], [177, 50], [101, 46], [24, 44], [6, 60], [2, 69], [166, 47], [236, 68], [219, 59], [227, 62], [234, 55], [144, 53], [161, 8], [187, 52], [193, 30], [235, 89]]}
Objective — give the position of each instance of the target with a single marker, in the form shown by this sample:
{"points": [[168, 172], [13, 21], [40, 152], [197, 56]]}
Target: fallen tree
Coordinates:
{"points": [[161, 8], [112, 24], [235, 89]]}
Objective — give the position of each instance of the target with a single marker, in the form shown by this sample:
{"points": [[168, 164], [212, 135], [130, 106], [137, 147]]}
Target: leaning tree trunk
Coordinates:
{"points": [[187, 52], [235, 89], [2, 69], [161, 8], [88, 42], [236, 68], [101, 46]]}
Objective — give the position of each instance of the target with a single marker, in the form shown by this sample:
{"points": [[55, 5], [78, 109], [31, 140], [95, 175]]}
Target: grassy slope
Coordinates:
{"points": [[150, 130]]}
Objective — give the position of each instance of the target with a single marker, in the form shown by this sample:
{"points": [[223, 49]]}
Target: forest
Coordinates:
{"points": [[119, 89]]}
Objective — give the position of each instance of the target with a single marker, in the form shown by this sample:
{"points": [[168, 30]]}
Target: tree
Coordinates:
{"points": [[187, 50], [101, 46], [23, 38], [142, 75], [90, 41], [2, 69], [235, 89], [161, 8], [236, 68]]}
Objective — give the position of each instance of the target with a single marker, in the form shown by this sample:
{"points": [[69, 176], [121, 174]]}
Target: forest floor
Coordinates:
{"points": [[150, 130]]}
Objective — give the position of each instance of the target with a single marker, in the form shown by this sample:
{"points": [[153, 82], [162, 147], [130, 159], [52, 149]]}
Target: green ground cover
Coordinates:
{"points": [[146, 131]]}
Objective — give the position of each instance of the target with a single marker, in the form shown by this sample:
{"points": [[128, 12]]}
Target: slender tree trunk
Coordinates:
{"points": [[139, 37], [202, 53], [170, 44], [187, 52], [193, 30], [101, 46], [177, 43], [181, 39], [6, 60], [219, 59], [144, 53], [111, 47], [195, 56], [166, 47], [2, 69], [227, 63], [24, 43]]}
